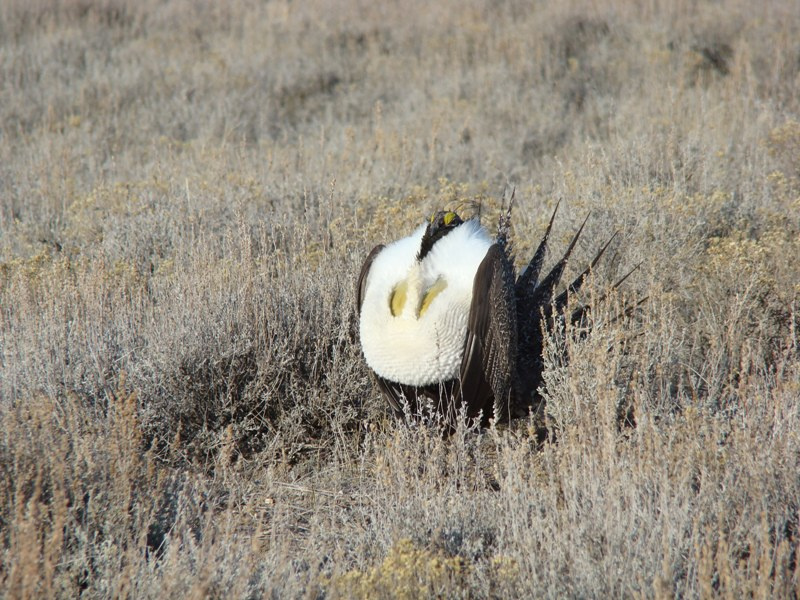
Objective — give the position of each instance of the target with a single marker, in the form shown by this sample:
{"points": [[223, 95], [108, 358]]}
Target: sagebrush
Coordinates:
{"points": [[187, 192]]}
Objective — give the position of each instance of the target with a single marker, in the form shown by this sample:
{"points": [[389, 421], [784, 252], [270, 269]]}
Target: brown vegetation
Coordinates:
{"points": [[187, 190]]}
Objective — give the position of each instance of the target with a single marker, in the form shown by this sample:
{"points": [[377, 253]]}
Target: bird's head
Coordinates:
{"points": [[440, 224]]}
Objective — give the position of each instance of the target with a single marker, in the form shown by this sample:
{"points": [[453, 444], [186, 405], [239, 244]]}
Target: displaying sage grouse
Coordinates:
{"points": [[446, 325]]}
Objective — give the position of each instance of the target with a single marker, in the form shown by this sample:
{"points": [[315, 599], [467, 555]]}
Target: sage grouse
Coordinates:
{"points": [[445, 325]]}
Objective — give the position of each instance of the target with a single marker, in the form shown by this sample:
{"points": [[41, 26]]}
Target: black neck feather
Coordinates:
{"points": [[430, 238]]}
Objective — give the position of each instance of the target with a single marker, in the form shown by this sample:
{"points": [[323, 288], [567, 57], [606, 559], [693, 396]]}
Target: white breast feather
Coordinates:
{"points": [[420, 351]]}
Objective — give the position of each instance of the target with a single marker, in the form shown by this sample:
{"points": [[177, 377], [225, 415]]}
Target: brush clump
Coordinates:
{"points": [[187, 192]]}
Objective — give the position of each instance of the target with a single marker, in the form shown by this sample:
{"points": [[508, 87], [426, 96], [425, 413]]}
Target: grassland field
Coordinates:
{"points": [[187, 192]]}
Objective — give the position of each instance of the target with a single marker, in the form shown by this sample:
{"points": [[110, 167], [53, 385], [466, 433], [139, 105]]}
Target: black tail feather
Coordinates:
{"points": [[504, 223], [544, 291], [579, 312], [628, 310], [561, 300], [628, 274], [527, 280]]}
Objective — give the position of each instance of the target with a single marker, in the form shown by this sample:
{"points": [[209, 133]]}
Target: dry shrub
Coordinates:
{"points": [[406, 572], [187, 191]]}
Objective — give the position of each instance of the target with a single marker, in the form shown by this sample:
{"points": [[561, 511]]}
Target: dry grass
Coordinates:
{"points": [[187, 190]]}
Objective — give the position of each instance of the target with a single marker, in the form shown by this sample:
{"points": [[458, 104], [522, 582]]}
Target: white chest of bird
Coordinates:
{"points": [[415, 309]]}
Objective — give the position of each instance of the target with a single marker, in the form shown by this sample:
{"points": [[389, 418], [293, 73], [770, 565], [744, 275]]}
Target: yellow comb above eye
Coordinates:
{"points": [[448, 218], [398, 298]]}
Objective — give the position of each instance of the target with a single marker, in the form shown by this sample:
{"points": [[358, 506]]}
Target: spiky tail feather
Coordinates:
{"points": [[537, 311]]}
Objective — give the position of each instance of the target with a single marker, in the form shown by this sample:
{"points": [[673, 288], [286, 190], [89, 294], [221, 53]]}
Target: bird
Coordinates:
{"points": [[448, 328]]}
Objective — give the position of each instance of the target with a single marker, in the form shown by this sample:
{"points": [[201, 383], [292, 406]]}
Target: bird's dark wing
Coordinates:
{"points": [[362, 277], [424, 401], [490, 349], [397, 394], [394, 392]]}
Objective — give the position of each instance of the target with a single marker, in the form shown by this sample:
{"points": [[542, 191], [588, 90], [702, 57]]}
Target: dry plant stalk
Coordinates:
{"points": [[186, 193]]}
